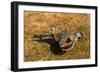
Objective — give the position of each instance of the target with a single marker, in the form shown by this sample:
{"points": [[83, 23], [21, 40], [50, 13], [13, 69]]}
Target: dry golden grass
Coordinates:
{"points": [[39, 23]]}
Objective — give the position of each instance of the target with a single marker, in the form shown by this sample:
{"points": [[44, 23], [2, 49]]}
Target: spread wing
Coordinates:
{"points": [[54, 45]]}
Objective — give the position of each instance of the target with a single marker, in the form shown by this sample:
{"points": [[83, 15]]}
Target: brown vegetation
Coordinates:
{"points": [[40, 23]]}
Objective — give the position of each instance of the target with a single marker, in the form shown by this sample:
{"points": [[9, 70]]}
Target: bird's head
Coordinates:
{"points": [[80, 35]]}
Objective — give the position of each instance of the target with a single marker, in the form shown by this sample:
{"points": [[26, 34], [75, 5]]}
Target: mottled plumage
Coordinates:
{"points": [[59, 43]]}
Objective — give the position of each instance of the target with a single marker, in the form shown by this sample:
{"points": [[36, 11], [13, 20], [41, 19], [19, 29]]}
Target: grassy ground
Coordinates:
{"points": [[40, 22]]}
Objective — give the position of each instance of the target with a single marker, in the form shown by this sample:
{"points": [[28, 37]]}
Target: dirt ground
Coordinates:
{"points": [[40, 22]]}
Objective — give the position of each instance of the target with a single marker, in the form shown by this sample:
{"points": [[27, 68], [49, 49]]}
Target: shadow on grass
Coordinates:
{"points": [[54, 46]]}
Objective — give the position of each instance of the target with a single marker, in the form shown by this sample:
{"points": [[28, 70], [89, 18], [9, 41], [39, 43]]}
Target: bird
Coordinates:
{"points": [[59, 43]]}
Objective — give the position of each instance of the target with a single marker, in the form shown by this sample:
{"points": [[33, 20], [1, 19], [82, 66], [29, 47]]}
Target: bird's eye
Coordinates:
{"points": [[79, 38]]}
